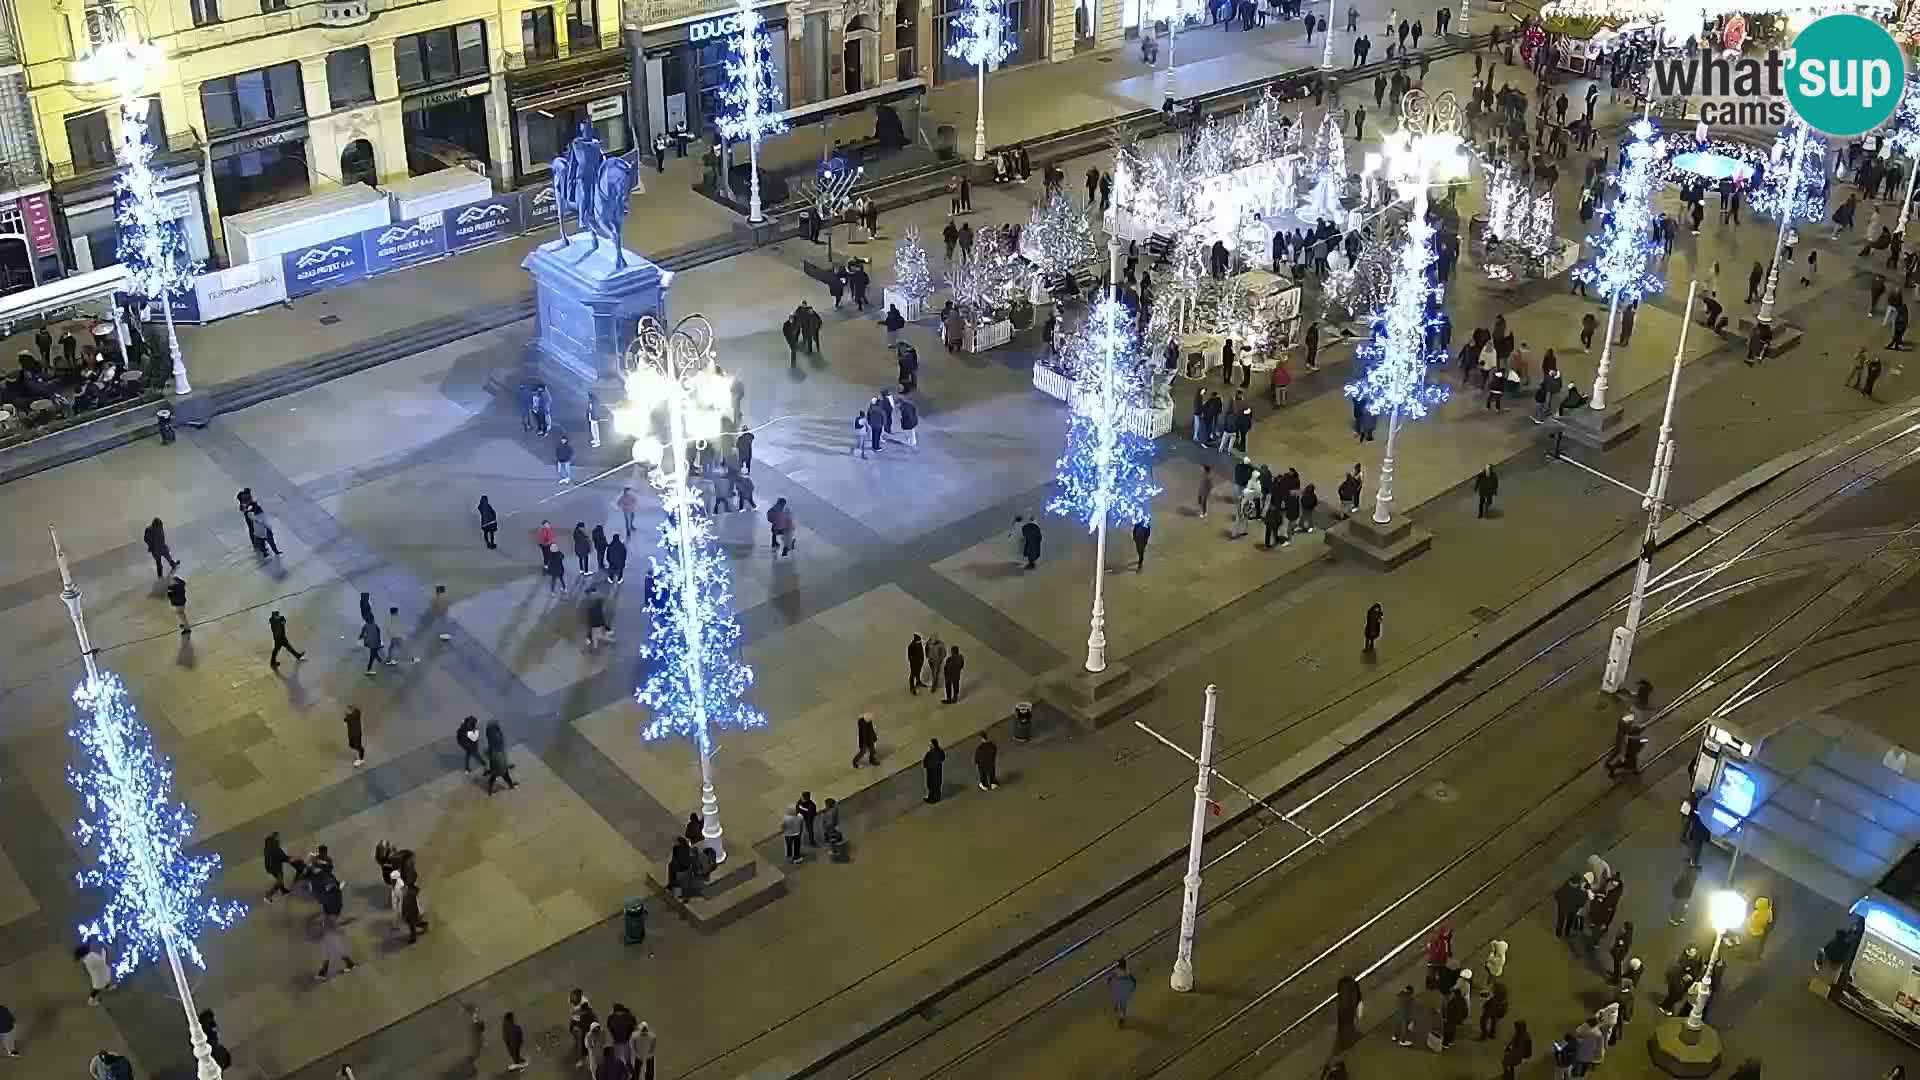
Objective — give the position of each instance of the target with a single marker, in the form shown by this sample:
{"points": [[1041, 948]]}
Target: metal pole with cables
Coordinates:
{"points": [[1182, 977]]}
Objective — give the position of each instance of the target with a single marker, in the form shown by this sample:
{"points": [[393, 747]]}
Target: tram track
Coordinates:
{"points": [[1000, 1006]]}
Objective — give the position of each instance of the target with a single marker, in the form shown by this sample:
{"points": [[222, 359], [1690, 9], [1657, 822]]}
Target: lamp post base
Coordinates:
{"points": [[1093, 699], [1598, 428], [1677, 1051], [739, 887], [1381, 546]]}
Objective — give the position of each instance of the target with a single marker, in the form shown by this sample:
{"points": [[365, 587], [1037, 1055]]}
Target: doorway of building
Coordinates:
{"points": [[356, 164]]}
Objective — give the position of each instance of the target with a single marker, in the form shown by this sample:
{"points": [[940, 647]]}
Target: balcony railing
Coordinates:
{"points": [[179, 144], [522, 58]]}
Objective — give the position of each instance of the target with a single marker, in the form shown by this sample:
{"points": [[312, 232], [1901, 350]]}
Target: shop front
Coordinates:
{"points": [[548, 114], [446, 127], [687, 67], [253, 169], [86, 211]]}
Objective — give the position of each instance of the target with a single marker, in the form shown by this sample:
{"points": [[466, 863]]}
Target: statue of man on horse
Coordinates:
{"points": [[596, 188]]}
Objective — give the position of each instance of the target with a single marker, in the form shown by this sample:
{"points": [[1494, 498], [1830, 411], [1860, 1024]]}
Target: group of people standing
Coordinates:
{"points": [[620, 1047]]}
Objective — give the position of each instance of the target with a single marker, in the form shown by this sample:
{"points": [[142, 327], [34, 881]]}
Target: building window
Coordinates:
{"points": [[88, 138], [252, 98], [583, 25], [272, 5], [536, 34], [905, 36], [205, 12], [349, 77], [443, 55]]}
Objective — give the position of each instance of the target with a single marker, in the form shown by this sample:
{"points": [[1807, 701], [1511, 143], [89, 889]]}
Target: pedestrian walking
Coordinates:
{"points": [[92, 957], [1874, 368], [616, 560], [177, 599], [985, 756], [489, 523], [275, 858], [333, 949], [156, 540], [9, 1033], [412, 914], [1486, 486], [598, 628], [916, 663], [1030, 537], [1349, 1009], [645, 1046], [498, 768], [1494, 1010], [563, 459], [950, 673], [260, 527], [1518, 1052], [1206, 488], [1403, 1016], [1142, 532], [556, 570], [582, 548], [370, 637], [467, 736], [790, 831], [866, 740], [1120, 987], [393, 636], [514, 1038], [1452, 1014], [933, 761], [355, 738], [600, 547], [1375, 614], [628, 503], [277, 625], [808, 811], [1349, 492]]}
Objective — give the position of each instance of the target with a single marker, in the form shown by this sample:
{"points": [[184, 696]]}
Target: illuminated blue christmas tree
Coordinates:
{"points": [[980, 38], [751, 98], [1795, 185], [149, 242], [696, 680], [1624, 245], [156, 893], [1106, 474]]}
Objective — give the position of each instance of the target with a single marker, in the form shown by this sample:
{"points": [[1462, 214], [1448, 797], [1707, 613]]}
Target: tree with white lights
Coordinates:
{"points": [[1794, 189], [1105, 476], [149, 243], [985, 283], [911, 277], [981, 39], [1362, 285], [1396, 358], [1624, 245], [1329, 154], [696, 681], [156, 902], [1058, 238], [751, 98]]}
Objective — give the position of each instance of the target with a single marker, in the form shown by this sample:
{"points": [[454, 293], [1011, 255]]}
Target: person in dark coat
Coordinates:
{"points": [[1374, 616], [933, 761], [276, 861], [156, 540], [985, 756], [489, 523], [1494, 1011], [837, 287], [876, 424], [790, 329], [1030, 543], [866, 741], [1142, 532], [1452, 1015], [277, 623], [951, 674], [1519, 1050], [616, 559], [354, 741], [1622, 947], [1568, 902], [468, 738], [497, 766], [1486, 486], [916, 660], [410, 913]]}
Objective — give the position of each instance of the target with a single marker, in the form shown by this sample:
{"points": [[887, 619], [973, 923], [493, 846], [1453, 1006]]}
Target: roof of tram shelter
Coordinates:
{"points": [[57, 297]]}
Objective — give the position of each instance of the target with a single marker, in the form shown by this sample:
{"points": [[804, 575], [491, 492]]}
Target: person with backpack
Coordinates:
{"points": [[780, 523], [107, 1065]]}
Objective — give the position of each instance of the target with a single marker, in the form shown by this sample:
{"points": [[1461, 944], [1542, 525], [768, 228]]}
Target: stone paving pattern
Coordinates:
{"points": [[373, 479]]}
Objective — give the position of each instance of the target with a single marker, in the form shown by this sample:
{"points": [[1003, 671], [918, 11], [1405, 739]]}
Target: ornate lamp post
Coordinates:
{"points": [[677, 402], [982, 41]]}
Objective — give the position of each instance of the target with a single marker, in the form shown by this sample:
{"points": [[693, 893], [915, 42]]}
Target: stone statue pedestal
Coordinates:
{"points": [[586, 312]]}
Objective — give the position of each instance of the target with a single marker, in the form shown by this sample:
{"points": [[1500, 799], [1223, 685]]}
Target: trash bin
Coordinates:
{"points": [[163, 419], [1022, 721], [635, 923]]}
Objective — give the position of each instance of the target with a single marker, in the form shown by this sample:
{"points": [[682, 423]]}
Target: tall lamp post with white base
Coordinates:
{"points": [[157, 905], [751, 96], [1427, 149], [1182, 977], [149, 242], [1790, 191], [677, 403], [1690, 1046], [981, 40]]}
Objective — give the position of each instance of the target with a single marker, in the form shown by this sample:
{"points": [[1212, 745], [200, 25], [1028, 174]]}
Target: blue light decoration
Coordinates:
{"points": [[1794, 190], [980, 35], [156, 893], [750, 100], [696, 680], [1624, 245], [1401, 349], [1106, 474]]}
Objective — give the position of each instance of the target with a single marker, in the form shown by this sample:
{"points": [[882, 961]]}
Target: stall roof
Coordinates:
{"points": [[847, 103], [74, 289]]}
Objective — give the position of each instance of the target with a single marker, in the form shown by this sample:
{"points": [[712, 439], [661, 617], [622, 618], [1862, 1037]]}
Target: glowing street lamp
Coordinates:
{"points": [[1726, 912], [677, 401], [981, 40]]}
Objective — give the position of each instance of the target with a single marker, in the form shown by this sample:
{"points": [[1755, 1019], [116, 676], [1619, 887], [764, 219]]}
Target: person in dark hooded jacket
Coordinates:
{"points": [[1494, 1011], [1030, 543]]}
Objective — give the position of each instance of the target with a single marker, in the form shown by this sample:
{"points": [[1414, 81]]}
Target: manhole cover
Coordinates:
{"points": [[1106, 59], [1441, 791], [329, 320]]}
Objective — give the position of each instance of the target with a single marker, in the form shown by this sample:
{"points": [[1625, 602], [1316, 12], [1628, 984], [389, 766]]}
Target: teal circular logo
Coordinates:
{"points": [[1846, 75]]}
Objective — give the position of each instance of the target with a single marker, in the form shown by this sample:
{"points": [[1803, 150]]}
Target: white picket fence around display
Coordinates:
{"points": [[1148, 423]]}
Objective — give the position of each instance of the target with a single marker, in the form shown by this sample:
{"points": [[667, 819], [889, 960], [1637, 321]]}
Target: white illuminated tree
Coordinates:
{"points": [[1058, 238], [981, 39], [911, 277], [149, 242], [1624, 246], [751, 98], [1904, 132]]}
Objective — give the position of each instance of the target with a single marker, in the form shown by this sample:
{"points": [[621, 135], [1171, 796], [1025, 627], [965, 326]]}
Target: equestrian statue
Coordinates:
{"points": [[597, 189]]}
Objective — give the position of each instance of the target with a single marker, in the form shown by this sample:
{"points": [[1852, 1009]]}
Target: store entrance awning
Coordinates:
{"points": [[94, 286]]}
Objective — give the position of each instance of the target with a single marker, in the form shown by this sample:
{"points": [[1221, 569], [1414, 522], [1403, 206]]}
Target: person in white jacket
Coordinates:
{"points": [[93, 959], [1496, 965]]}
